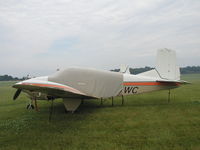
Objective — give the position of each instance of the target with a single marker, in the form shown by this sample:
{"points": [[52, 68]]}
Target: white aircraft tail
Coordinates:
{"points": [[124, 69], [166, 66]]}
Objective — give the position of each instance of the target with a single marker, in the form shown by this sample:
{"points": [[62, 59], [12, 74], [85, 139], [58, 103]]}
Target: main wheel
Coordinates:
{"points": [[29, 106]]}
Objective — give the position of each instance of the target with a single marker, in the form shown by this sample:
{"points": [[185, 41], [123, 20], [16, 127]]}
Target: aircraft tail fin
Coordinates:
{"points": [[166, 65], [124, 69]]}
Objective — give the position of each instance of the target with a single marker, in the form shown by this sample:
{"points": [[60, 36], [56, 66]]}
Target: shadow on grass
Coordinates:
{"points": [[93, 106]]}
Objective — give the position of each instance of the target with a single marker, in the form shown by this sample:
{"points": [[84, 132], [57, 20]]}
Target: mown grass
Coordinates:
{"points": [[145, 122]]}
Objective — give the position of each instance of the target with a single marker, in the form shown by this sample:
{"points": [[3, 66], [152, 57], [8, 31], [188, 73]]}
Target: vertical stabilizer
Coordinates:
{"points": [[166, 65], [124, 69]]}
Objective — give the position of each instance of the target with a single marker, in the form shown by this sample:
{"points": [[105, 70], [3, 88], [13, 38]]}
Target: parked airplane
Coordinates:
{"points": [[75, 84]]}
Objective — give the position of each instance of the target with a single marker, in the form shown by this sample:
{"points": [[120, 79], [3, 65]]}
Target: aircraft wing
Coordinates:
{"points": [[51, 89]]}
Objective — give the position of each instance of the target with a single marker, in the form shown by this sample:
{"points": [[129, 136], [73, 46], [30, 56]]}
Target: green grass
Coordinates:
{"points": [[145, 122]]}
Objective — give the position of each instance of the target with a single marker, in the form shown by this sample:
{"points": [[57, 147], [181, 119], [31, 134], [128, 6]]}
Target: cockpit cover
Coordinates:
{"points": [[94, 83]]}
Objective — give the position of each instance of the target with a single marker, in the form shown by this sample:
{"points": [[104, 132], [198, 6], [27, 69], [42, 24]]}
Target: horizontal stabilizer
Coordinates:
{"points": [[174, 81]]}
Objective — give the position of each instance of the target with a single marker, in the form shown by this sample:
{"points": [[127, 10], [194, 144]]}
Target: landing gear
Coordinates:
{"points": [[30, 106]]}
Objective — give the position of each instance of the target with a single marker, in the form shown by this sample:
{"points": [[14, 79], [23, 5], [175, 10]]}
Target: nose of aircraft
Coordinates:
{"points": [[20, 85], [33, 80], [16, 85]]}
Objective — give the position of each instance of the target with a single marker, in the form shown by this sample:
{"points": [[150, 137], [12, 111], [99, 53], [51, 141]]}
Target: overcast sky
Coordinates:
{"points": [[38, 36]]}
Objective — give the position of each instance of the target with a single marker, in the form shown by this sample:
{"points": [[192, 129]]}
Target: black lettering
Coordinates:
{"points": [[128, 89], [131, 89], [135, 90]]}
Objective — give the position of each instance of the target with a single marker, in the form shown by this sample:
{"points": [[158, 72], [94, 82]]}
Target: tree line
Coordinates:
{"points": [[10, 78], [183, 70]]}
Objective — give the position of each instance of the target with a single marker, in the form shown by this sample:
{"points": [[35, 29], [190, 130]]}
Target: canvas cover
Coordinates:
{"points": [[94, 83]]}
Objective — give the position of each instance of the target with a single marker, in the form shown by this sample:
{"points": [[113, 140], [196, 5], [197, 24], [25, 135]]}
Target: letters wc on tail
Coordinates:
{"points": [[75, 84]]}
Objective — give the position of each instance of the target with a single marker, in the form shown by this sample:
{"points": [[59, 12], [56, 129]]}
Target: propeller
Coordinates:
{"points": [[17, 93]]}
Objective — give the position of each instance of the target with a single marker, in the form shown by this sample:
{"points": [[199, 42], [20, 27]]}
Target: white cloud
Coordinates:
{"points": [[108, 33]]}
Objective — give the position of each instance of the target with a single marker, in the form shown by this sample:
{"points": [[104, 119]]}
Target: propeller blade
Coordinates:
{"points": [[17, 94]]}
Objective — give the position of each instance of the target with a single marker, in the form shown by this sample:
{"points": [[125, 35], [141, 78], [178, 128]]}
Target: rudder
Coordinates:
{"points": [[166, 65]]}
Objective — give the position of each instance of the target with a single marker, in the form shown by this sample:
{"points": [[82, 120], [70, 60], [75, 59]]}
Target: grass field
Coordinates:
{"points": [[145, 122]]}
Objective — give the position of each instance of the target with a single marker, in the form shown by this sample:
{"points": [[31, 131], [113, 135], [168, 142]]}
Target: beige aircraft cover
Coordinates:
{"points": [[94, 83]]}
